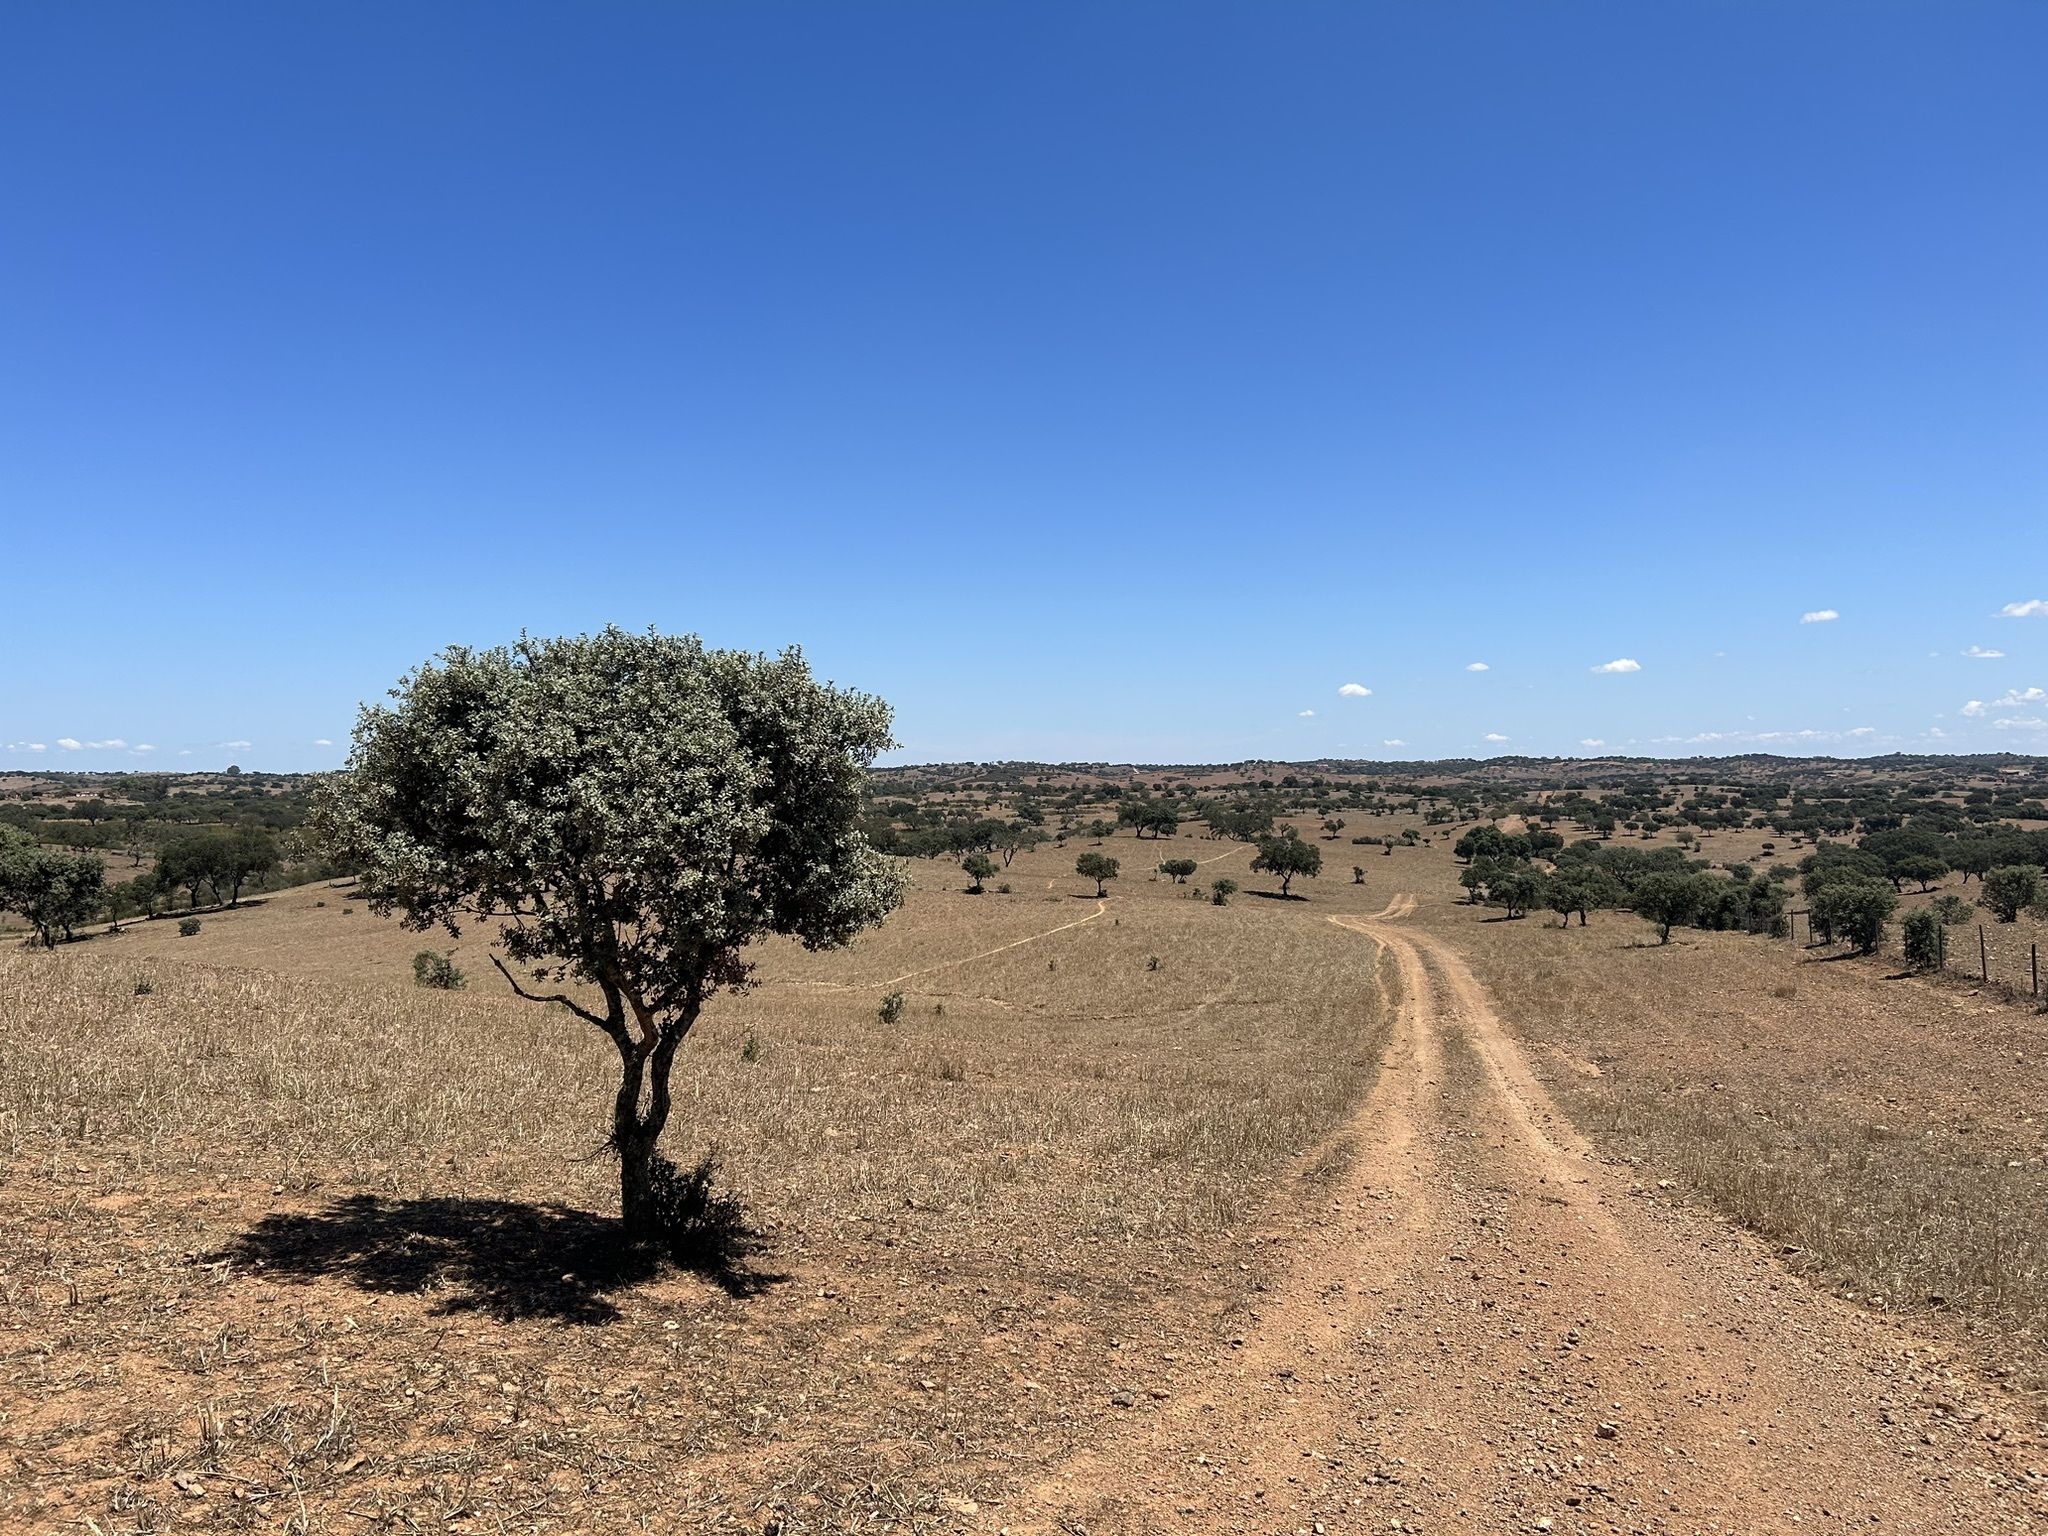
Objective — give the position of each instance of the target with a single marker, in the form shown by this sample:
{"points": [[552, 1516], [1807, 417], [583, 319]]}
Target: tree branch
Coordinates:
{"points": [[609, 1026]]}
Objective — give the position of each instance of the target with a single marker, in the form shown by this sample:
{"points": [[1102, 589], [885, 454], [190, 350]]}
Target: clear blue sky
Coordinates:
{"points": [[1091, 380]]}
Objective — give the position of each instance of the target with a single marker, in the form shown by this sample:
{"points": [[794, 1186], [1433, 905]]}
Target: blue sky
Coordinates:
{"points": [[1091, 380]]}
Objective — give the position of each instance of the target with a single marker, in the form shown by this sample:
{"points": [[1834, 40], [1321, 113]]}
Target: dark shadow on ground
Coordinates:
{"points": [[503, 1258], [1275, 895]]}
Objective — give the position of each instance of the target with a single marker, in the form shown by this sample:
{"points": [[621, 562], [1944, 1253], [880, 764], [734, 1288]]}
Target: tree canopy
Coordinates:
{"points": [[633, 810]]}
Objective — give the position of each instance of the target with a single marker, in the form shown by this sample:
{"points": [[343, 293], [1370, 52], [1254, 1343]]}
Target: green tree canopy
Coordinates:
{"points": [[634, 810]]}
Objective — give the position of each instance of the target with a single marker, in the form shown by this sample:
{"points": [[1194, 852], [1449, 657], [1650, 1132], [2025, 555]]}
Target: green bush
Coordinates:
{"points": [[187, 927], [1926, 940], [438, 971], [892, 1008]]}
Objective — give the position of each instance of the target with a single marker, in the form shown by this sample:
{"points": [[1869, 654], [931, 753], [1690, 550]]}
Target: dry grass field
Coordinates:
{"points": [[1120, 1226], [290, 1243]]}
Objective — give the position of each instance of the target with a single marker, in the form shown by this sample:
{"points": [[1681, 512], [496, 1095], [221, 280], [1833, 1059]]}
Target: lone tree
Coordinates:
{"points": [[634, 810], [1287, 856], [1178, 870], [1099, 867], [977, 867], [1665, 898]]}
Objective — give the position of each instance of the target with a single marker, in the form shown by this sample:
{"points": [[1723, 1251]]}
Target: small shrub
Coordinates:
{"points": [[1221, 892], [891, 1009], [187, 927], [1151, 962], [1926, 940], [1003, 889], [438, 971], [750, 1048], [144, 987]]}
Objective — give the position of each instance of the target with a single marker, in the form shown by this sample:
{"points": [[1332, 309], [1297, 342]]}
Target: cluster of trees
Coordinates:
{"points": [[1661, 885], [54, 890]]}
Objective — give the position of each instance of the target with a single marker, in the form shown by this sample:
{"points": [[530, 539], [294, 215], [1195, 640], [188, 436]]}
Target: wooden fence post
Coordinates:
{"points": [[1983, 955], [2034, 961]]}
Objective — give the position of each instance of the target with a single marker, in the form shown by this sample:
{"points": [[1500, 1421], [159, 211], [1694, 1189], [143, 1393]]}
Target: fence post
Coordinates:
{"points": [[1983, 955], [2034, 961]]}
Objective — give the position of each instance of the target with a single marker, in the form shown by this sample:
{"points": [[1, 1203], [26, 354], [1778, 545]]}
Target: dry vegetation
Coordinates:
{"points": [[287, 1249]]}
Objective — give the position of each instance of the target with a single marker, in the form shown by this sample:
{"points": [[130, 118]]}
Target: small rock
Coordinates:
{"points": [[1607, 1431], [1123, 1399]]}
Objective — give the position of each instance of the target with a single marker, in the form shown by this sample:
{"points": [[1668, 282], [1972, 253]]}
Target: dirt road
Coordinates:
{"points": [[1479, 1326]]}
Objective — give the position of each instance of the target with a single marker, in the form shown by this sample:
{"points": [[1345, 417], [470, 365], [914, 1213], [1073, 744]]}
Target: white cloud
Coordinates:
{"points": [[184, 751], [70, 743], [1393, 741], [2027, 723], [1308, 714], [1819, 616], [1354, 691], [143, 747], [26, 746], [2014, 698], [1495, 736], [2032, 608], [1477, 666], [1978, 653], [323, 742], [1937, 733], [231, 746], [1864, 730], [1619, 664], [1591, 741]]}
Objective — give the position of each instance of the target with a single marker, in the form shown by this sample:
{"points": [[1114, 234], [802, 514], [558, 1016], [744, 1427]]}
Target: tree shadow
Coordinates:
{"points": [[504, 1258], [1277, 895]]}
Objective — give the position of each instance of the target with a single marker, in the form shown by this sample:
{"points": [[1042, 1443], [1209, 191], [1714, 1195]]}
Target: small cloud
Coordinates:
{"points": [[142, 748], [1619, 664], [2013, 698], [1937, 732], [1979, 653], [2032, 608], [1864, 730], [1477, 666], [184, 751], [1819, 616], [230, 746], [1495, 737], [1308, 714], [1354, 691], [27, 746], [323, 742], [111, 744], [1591, 741], [1393, 741], [70, 744]]}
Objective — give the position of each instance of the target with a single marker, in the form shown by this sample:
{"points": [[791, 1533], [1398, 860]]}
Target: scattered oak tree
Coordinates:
{"points": [[2007, 890], [634, 810], [977, 867], [55, 891], [1099, 867], [1178, 870], [1287, 856]]}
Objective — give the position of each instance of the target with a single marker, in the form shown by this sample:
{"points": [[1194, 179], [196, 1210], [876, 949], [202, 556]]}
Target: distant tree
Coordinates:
{"points": [[1178, 870], [1097, 867], [55, 891], [978, 867], [1221, 890], [1019, 838], [1665, 898], [1287, 856], [2008, 890], [1332, 825], [1358, 874], [635, 810], [1856, 910]]}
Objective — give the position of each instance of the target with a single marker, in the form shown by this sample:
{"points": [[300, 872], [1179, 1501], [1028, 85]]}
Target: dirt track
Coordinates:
{"points": [[1480, 1326]]}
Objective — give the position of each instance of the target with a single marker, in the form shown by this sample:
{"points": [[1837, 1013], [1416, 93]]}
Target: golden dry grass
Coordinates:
{"points": [[324, 1245]]}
